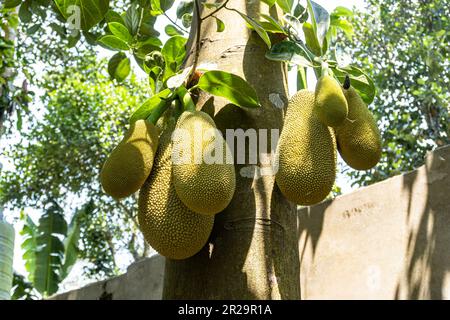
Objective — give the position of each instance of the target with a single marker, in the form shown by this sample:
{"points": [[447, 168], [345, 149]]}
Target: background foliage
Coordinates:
{"points": [[406, 46]]}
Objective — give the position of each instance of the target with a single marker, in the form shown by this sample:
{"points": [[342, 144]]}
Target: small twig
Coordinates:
{"points": [[197, 40], [199, 30], [178, 26], [215, 11], [140, 21]]}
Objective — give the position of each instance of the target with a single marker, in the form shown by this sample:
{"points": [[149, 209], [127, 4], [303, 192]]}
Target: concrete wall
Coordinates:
{"points": [[142, 281], [387, 241]]}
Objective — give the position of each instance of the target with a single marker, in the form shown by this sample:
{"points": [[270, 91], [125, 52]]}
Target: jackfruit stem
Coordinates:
{"points": [[325, 69], [185, 99], [159, 110], [347, 82]]}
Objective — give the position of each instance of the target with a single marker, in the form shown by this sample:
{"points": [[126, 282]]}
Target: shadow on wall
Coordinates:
{"points": [[427, 268], [390, 240]]}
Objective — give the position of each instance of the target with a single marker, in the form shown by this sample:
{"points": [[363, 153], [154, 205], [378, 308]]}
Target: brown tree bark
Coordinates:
{"points": [[253, 250]]}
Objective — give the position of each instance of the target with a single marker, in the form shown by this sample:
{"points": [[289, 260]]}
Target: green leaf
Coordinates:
{"points": [[83, 14], [359, 80], [31, 30], [299, 10], [24, 12], [11, 3], [294, 24], [229, 86], [185, 7], [58, 29], [260, 30], [185, 98], [275, 26], [19, 120], [29, 233], [173, 52], [211, 5], [172, 31], [120, 31], [113, 43], [72, 41], [186, 20], [112, 16], [174, 49], [166, 4], [344, 25], [179, 79], [342, 12], [270, 3], [132, 20], [160, 6], [71, 241], [114, 62], [156, 7], [144, 111], [220, 25], [288, 51], [320, 21], [311, 39], [49, 251], [91, 38], [123, 70], [286, 5]]}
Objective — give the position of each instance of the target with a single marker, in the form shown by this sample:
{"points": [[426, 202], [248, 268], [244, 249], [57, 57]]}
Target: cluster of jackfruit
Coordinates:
{"points": [[180, 191], [316, 125], [177, 200]]}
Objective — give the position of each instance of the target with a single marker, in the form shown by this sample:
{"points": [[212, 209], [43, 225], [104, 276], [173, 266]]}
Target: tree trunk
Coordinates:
{"points": [[253, 249]]}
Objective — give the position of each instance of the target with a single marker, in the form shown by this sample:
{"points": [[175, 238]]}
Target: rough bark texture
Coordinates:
{"points": [[253, 251]]}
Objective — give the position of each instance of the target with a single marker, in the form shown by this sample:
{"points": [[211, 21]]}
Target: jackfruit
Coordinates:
{"points": [[130, 163], [358, 138], [204, 175], [331, 105], [166, 223], [306, 153]]}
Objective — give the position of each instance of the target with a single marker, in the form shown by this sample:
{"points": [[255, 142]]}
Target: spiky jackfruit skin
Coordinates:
{"points": [[331, 105], [205, 188], [130, 163], [166, 223], [358, 138], [306, 153]]}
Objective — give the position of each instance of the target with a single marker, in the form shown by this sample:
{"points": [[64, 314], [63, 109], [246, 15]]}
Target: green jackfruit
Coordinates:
{"points": [[358, 138], [331, 105], [306, 153], [130, 163], [204, 177], [166, 223]]}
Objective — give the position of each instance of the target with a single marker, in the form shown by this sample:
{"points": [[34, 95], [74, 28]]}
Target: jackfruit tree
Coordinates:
{"points": [[228, 229]]}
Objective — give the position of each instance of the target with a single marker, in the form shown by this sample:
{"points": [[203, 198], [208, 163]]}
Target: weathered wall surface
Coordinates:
{"points": [[387, 241], [142, 281]]}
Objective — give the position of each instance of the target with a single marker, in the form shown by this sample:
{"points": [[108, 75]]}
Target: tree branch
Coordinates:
{"points": [[178, 26], [197, 40], [215, 11]]}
